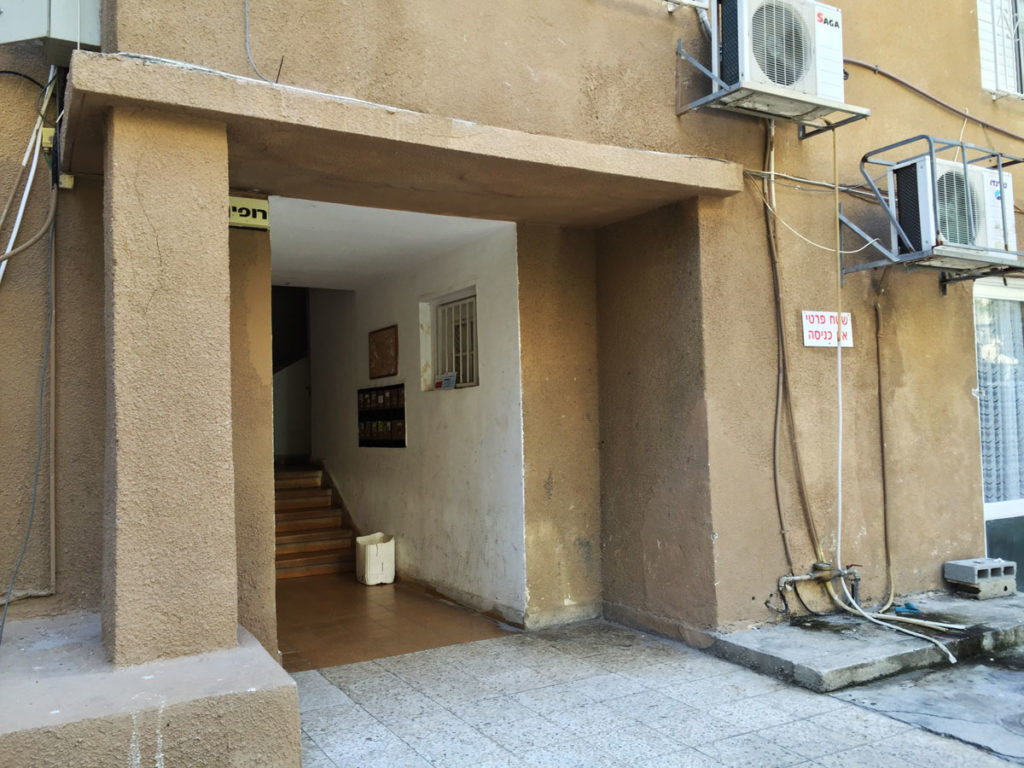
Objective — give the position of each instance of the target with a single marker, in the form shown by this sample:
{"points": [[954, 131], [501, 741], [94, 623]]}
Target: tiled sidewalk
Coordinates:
{"points": [[592, 694]]}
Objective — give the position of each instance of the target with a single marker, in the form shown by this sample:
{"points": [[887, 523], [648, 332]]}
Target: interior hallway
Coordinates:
{"points": [[327, 620]]}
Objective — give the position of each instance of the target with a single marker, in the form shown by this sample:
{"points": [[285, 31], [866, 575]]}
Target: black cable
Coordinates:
{"points": [[39, 103], [796, 591], [39, 438], [22, 75]]}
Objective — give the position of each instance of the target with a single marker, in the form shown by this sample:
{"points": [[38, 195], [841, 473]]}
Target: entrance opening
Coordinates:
{"points": [[373, 432]]}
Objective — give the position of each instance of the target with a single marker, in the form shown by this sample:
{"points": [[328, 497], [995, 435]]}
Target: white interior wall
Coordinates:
{"points": [[291, 410], [453, 497]]}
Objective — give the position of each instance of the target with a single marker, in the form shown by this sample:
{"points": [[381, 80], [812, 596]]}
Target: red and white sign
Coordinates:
{"points": [[821, 329]]}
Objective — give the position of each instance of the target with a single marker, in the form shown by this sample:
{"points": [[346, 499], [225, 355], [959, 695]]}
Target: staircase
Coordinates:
{"points": [[311, 539]]}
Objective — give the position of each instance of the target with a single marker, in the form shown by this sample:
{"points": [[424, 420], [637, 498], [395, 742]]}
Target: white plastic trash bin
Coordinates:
{"points": [[375, 559]]}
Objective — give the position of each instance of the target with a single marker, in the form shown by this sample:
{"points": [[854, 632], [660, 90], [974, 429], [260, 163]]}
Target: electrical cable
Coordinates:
{"points": [[881, 448], [853, 605], [43, 100], [934, 99], [8, 597], [38, 235], [782, 392], [22, 75], [769, 156], [248, 51], [806, 239]]}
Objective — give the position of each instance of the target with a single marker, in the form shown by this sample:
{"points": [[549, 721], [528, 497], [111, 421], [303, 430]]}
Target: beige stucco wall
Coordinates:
{"points": [[169, 527], [23, 312], [656, 495], [558, 335], [605, 72], [78, 397], [252, 429]]}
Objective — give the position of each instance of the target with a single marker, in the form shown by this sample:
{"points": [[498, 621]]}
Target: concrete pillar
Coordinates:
{"points": [[169, 572], [252, 376]]}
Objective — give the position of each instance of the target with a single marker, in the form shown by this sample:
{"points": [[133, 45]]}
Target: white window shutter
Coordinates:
{"points": [[998, 44]]}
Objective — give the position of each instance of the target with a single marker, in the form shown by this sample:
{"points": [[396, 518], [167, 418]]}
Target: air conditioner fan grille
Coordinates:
{"points": [[781, 43], [958, 209]]}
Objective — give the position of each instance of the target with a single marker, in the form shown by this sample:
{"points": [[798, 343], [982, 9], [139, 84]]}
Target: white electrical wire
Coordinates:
{"points": [[34, 146], [839, 428], [807, 240], [248, 52]]}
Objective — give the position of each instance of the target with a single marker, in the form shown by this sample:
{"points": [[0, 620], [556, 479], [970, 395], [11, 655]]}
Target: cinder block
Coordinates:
{"points": [[987, 588], [978, 570]]}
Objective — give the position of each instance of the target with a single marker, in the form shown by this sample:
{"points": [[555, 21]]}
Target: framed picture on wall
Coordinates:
{"points": [[384, 352]]}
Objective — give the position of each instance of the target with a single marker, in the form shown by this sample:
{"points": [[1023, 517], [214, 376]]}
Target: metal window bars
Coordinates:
{"points": [[457, 340], [939, 249]]}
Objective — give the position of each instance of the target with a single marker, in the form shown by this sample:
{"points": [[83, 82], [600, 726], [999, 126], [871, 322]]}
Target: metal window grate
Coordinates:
{"points": [[457, 341]]}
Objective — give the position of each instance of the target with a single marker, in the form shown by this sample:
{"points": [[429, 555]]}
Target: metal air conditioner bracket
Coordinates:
{"points": [[813, 116], [958, 262]]}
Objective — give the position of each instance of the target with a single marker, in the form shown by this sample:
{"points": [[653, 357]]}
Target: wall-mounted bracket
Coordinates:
{"points": [[762, 100], [958, 261]]}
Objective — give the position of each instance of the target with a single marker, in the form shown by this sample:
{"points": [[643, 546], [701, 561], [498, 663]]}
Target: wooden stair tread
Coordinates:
{"points": [[315, 570], [284, 483], [312, 558], [301, 493], [312, 534]]}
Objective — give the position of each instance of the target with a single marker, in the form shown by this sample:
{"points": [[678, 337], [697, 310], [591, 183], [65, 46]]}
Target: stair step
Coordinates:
{"points": [[297, 559], [305, 520], [316, 570], [320, 540], [305, 478], [303, 501]]}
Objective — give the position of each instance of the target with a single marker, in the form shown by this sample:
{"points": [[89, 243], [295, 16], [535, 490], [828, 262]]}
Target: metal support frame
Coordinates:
{"points": [[723, 94], [990, 261]]}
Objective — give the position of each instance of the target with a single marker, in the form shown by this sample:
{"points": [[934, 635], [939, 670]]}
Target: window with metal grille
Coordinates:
{"points": [[1002, 46], [456, 341]]}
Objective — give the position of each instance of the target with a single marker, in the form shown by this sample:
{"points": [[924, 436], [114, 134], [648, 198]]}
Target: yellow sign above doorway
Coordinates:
{"points": [[248, 212]]}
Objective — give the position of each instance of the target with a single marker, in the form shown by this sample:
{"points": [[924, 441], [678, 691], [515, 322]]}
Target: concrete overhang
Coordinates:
{"points": [[298, 143]]}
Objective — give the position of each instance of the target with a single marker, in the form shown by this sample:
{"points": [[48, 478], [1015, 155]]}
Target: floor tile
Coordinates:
{"points": [[634, 742], [573, 754], [750, 747], [526, 733], [496, 709], [336, 719], [313, 756], [445, 740], [810, 741]]}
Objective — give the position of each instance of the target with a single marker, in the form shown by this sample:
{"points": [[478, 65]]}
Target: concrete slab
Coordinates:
{"points": [[829, 653], [980, 702], [59, 689]]}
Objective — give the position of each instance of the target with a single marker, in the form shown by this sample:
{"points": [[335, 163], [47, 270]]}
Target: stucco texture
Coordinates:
{"points": [[169, 528], [558, 334], [656, 496], [23, 315], [252, 430], [603, 71]]}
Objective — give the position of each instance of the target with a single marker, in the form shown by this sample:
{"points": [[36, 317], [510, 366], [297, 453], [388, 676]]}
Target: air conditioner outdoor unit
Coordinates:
{"points": [[784, 57], [966, 220]]}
